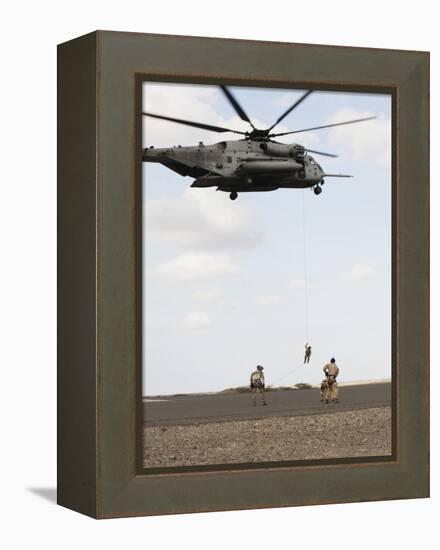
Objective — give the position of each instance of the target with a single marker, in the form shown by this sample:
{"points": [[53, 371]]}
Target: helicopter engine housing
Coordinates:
{"points": [[282, 150]]}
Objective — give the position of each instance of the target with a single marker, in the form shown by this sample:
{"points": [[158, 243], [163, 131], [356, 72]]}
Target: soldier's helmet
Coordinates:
{"points": [[332, 360], [259, 367]]}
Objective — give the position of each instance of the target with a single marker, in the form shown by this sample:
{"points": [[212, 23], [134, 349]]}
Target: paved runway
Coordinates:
{"points": [[192, 409]]}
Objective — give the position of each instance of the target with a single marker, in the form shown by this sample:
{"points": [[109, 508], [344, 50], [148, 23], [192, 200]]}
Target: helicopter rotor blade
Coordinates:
{"points": [[194, 124], [325, 126], [321, 153], [237, 107], [290, 109]]}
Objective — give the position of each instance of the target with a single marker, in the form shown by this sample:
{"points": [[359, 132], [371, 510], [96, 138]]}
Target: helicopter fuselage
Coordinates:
{"points": [[241, 165]]}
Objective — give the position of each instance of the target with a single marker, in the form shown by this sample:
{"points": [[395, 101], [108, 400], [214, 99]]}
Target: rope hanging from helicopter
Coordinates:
{"points": [[306, 287], [290, 372], [286, 374]]}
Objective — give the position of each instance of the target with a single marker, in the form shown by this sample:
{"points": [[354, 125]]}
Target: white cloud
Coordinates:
{"points": [[297, 283], [179, 101], [359, 272], [202, 219], [208, 294], [369, 140], [188, 102], [196, 320], [269, 300], [196, 266]]}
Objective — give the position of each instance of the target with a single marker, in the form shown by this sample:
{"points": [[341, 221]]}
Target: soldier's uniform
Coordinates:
{"points": [[307, 353], [257, 385], [331, 371], [323, 389]]}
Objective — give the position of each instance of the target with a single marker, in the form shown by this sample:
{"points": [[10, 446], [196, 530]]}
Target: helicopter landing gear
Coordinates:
{"points": [[317, 190], [233, 195]]}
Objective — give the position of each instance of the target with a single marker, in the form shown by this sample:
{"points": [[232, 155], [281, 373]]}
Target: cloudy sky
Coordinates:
{"points": [[232, 284]]}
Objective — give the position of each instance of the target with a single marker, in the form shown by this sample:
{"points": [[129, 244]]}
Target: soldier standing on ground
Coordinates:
{"points": [[331, 372], [307, 353], [257, 385]]}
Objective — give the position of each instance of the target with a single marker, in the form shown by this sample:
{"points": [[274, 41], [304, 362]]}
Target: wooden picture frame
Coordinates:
{"points": [[99, 276]]}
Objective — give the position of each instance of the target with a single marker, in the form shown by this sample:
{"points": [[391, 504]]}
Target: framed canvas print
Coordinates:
{"points": [[243, 274]]}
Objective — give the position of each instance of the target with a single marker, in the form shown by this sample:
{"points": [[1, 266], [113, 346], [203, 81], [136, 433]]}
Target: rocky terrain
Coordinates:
{"points": [[358, 433]]}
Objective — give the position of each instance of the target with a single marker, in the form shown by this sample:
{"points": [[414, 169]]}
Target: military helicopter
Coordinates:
{"points": [[254, 163]]}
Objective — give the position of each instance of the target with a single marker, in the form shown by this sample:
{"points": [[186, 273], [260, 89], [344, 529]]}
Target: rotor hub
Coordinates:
{"points": [[258, 135]]}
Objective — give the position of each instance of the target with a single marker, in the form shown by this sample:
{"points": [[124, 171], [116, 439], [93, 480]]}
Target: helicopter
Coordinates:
{"points": [[253, 163]]}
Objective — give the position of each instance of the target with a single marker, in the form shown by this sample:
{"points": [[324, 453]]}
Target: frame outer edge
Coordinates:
{"points": [[413, 205], [114, 489], [77, 272]]}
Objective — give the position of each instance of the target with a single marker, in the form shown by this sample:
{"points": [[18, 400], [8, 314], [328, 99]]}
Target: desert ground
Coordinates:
{"points": [[296, 425]]}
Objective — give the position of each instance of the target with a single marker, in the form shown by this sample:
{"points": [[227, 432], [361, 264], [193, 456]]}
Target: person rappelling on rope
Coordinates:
{"points": [[257, 385], [307, 347], [331, 372], [307, 353]]}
